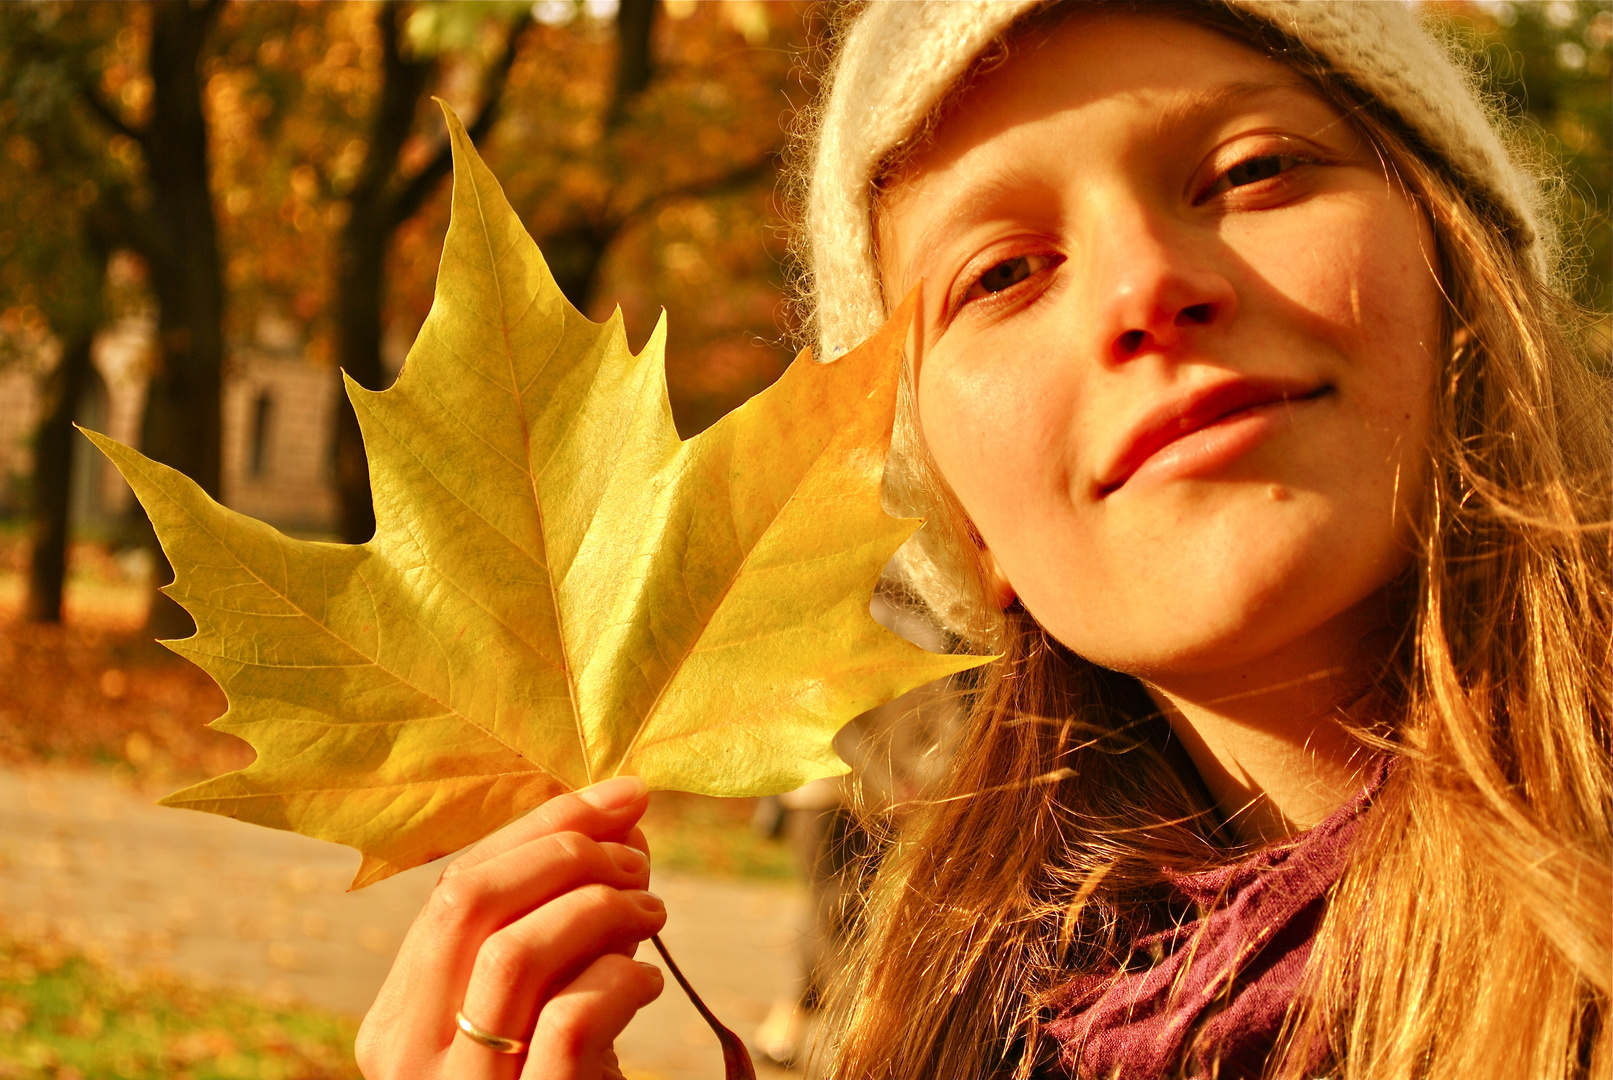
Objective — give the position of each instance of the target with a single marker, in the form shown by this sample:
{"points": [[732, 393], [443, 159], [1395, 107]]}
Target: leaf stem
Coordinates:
{"points": [[735, 1058]]}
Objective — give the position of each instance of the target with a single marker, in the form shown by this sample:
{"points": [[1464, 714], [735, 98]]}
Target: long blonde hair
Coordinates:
{"points": [[1471, 934]]}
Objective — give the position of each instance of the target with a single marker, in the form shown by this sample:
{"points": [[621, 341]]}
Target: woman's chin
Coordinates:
{"points": [[1168, 661], [1207, 641]]}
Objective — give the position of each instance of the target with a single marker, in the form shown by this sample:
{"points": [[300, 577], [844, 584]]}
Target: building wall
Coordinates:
{"points": [[19, 412], [277, 429], [277, 454], [122, 355]]}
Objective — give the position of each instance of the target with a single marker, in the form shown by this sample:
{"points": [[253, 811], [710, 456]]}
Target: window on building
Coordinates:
{"points": [[262, 418]]}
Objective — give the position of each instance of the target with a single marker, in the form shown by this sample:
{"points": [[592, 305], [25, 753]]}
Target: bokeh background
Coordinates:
{"points": [[207, 209]]}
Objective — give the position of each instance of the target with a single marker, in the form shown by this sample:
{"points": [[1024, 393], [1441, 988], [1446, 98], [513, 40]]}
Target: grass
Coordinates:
{"points": [[65, 1016]]}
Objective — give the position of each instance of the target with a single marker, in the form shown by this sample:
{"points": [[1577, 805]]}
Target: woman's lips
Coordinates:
{"points": [[1203, 430]]}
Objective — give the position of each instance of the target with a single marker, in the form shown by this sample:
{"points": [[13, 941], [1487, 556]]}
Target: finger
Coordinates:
{"points": [[518, 967], [390, 1041], [433, 969], [605, 811], [578, 1025], [508, 874]]}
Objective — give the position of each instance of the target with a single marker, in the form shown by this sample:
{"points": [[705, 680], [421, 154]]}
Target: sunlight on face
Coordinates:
{"points": [[1176, 354]]}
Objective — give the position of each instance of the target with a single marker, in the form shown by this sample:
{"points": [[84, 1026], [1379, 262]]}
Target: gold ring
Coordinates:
{"points": [[496, 1043]]}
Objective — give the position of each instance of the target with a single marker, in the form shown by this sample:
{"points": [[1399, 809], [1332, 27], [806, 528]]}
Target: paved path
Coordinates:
{"points": [[224, 903]]}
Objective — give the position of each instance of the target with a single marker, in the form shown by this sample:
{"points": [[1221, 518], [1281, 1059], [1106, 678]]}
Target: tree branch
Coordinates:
{"points": [[402, 81], [107, 115], [741, 176], [577, 276], [424, 182], [635, 64], [113, 221]]}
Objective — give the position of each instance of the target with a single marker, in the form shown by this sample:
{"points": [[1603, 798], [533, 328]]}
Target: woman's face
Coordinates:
{"points": [[1176, 356]]}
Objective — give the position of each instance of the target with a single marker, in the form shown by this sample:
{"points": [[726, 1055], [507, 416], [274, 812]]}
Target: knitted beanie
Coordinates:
{"points": [[896, 63]]}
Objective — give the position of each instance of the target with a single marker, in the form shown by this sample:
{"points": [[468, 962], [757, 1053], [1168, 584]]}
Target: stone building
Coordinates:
{"points": [[278, 424], [277, 428]]}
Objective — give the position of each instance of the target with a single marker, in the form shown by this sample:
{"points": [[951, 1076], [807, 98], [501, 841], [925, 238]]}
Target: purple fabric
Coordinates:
{"points": [[1243, 963]]}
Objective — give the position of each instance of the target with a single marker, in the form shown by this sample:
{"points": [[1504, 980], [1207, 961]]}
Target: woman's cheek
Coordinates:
{"points": [[1325, 264], [976, 418]]}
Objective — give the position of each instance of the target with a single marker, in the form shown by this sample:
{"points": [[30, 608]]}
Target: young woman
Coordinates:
{"points": [[1249, 427]]}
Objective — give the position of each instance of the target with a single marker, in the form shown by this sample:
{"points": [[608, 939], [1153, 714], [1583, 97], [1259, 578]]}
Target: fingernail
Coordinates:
{"points": [[628, 860], [651, 967], [615, 793], [648, 902]]}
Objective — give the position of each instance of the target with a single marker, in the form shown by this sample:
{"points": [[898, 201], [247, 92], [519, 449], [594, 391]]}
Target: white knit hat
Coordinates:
{"points": [[898, 60]]}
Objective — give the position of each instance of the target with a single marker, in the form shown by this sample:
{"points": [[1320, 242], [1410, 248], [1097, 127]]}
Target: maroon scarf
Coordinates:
{"points": [[1243, 962]]}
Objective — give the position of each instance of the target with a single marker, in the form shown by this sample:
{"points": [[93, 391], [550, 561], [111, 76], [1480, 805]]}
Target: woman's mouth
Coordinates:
{"points": [[1204, 430]]}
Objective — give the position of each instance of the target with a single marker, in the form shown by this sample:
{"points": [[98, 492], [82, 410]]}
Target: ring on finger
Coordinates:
{"points": [[496, 1043]]}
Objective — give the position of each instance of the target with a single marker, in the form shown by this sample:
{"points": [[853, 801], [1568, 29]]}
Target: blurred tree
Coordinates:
{"points": [[169, 220], [674, 204], [646, 171], [628, 160], [175, 230], [62, 391], [294, 96], [159, 204], [1551, 63], [295, 88], [383, 197], [53, 253]]}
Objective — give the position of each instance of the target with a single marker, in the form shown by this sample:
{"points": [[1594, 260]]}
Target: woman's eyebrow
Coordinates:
{"points": [[1193, 106], [970, 204]]}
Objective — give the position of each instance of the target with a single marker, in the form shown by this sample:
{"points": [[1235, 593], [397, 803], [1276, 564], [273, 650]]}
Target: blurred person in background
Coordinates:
{"points": [[835, 827]]}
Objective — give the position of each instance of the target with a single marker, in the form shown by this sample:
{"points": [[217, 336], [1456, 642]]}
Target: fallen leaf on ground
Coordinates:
{"points": [[558, 590]]}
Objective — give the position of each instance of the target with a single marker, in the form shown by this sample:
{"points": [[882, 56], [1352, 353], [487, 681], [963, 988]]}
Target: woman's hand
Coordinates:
{"points": [[530, 934]]}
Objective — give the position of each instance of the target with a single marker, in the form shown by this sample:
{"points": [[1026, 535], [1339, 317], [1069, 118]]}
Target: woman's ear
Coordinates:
{"points": [[998, 590]]}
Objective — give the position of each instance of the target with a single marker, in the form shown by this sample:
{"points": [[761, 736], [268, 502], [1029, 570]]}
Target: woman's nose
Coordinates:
{"points": [[1155, 288]]}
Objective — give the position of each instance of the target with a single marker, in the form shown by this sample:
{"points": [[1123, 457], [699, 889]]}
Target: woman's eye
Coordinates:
{"points": [[1252, 171], [1257, 169], [1006, 274]]}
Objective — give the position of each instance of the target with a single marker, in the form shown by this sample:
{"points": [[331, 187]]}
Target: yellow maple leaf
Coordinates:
{"points": [[558, 589]]}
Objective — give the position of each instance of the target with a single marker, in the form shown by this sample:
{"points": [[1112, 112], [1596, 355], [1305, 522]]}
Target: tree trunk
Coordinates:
{"points": [[576, 251], [183, 421], [574, 256], [361, 263], [54, 446], [382, 200], [635, 30]]}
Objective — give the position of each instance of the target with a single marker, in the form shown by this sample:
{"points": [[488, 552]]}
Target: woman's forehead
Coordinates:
{"points": [[1165, 68]]}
